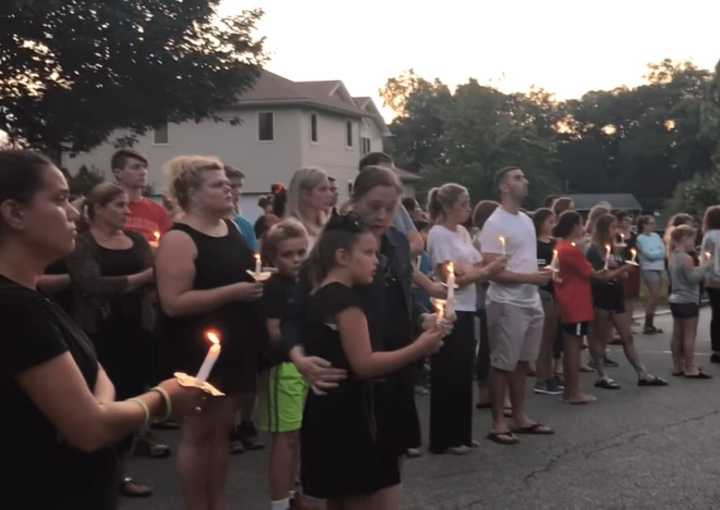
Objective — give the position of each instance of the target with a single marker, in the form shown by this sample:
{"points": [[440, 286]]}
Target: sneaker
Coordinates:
{"points": [[413, 453], [549, 387], [559, 382], [459, 450]]}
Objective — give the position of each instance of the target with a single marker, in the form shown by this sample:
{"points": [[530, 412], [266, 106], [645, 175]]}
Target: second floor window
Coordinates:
{"points": [[266, 129], [313, 127], [161, 134], [349, 133]]}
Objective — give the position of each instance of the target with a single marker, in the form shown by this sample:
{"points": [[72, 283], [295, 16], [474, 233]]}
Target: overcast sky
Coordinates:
{"points": [[566, 47]]}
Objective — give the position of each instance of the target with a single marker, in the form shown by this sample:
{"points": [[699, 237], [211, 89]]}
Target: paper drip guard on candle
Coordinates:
{"points": [[260, 274], [200, 381]]}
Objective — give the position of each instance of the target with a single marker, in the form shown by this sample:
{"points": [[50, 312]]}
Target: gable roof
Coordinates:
{"points": [[271, 89], [620, 201]]}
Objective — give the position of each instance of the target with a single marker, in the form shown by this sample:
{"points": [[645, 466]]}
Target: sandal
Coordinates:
{"points": [[536, 429], [652, 380], [699, 375], [607, 384], [504, 438], [587, 399], [133, 489]]}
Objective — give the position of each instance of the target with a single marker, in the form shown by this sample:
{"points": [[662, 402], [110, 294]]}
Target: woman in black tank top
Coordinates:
{"points": [[203, 284]]}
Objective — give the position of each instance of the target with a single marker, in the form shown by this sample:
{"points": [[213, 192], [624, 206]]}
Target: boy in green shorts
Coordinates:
{"points": [[283, 391]]}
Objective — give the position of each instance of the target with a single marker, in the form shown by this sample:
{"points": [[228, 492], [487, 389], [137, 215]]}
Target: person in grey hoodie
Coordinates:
{"points": [[651, 256]]}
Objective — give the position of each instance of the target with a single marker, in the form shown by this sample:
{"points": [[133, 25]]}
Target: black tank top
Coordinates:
{"points": [[220, 261]]}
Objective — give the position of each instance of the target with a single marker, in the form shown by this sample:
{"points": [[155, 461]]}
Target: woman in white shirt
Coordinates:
{"points": [[452, 366]]}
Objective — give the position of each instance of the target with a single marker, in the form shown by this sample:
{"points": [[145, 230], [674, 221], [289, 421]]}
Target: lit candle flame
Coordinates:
{"points": [[633, 252], [502, 241], [451, 268], [258, 263], [213, 336], [708, 255], [156, 234]]}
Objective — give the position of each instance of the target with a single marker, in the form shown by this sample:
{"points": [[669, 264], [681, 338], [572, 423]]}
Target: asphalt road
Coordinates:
{"points": [[635, 448]]}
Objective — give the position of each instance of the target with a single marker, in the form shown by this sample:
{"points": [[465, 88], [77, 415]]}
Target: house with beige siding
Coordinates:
{"points": [[277, 127]]}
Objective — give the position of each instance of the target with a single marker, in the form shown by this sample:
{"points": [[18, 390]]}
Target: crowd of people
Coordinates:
{"points": [[106, 297]]}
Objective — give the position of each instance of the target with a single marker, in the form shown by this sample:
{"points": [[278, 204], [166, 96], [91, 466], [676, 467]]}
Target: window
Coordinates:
{"points": [[161, 134], [366, 147], [349, 133], [313, 127], [265, 126]]}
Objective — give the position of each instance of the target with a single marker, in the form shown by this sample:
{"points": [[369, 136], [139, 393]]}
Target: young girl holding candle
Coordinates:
{"points": [[685, 278], [609, 303], [282, 396], [349, 458]]}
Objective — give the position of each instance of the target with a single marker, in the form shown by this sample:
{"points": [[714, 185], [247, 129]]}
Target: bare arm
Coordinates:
{"points": [[104, 390], [367, 363], [52, 283], [59, 391], [175, 265], [505, 276]]}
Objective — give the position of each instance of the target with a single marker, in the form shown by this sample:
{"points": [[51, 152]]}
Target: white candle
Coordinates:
{"points": [[633, 251], [503, 244], [451, 288], [156, 239], [608, 250], [440, 310], [622, 239], [418, 261], [258, 263], [554, 263], [212, 355]]}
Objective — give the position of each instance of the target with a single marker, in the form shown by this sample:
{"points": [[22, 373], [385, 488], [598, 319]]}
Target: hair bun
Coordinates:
{"points": [[349, 222]]}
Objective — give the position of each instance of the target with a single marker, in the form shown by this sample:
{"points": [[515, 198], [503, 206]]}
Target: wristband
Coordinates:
{"points": [[144, 407], [166, 399]]}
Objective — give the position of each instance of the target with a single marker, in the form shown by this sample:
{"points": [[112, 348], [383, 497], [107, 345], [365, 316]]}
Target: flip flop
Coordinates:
{"points": [[536, 429], [503, 438], [653, 380], [699, 375], [589, 400], [607, 384]]}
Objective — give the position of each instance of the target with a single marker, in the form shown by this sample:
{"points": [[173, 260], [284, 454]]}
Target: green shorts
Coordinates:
{"points": [[282, 399]]}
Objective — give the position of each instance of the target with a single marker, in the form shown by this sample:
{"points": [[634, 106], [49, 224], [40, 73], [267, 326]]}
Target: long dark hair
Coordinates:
{"points": [[601, 230], [540, 216], [567, 221], [340, 233]]}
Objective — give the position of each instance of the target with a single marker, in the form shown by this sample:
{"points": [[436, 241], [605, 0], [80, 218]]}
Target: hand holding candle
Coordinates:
{"points": [[212, 356], [608, 251]]}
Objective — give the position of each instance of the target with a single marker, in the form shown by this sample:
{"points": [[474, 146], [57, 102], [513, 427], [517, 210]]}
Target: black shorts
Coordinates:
{"points": [[610, 298], [684, 310], [576, 328]]}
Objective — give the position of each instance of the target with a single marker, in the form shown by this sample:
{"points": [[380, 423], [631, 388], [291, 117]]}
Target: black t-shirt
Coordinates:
{"points": [[278, 297], [545, 256], [604, 291], [44, 470]]}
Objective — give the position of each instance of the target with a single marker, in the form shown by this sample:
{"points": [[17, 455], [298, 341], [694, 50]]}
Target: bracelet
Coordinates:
{"points": [[166, 399], [144, 407]]}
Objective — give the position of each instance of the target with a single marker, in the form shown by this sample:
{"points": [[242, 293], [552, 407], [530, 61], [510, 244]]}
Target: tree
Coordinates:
{"points": [[72, 71], [85, 180]]}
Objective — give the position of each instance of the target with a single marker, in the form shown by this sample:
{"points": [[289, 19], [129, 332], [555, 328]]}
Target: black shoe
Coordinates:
{"points": [[715, 357], [132, 489]]}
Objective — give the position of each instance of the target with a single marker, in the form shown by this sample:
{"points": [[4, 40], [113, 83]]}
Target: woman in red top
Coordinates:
{"points": [[573, 295]]}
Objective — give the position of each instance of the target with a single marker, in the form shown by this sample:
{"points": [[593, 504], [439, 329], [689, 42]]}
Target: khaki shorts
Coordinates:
{"points": [[515, 333]]}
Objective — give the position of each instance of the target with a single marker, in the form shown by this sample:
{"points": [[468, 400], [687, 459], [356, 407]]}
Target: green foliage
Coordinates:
{"points": [[695, 195], [643, 140], [75, 70], [85, 180]]}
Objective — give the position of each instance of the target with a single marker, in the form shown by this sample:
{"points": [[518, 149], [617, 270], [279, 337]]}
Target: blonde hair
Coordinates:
{"points": [[443, 198], [677, 234], [101, 195], [595, 213], [304, 181], [185, 175], [289, 228]]}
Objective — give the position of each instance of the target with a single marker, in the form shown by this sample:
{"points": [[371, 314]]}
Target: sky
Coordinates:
{"points": [[566, 47]]}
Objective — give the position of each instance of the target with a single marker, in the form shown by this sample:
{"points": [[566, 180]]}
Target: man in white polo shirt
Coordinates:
{"points": [[514, 311]]}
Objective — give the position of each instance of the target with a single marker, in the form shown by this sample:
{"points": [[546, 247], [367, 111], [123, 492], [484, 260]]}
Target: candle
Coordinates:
{"points": [[554, 263], [155, 242], [440, 305], [608, 250], [418, 261], [258, 263], [213, 353], [503, 244], [451, 288], [633, 251], [622, 239]]}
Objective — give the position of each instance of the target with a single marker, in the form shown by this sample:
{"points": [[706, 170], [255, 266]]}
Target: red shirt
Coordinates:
{"points": [[147, 217], [573, 294]]}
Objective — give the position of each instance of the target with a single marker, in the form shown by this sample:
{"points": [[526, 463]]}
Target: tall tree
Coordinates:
{"points": [[72, 71]]}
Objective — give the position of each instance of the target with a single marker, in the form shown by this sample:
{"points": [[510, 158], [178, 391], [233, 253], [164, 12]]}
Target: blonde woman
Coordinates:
{"points": [[201, 271], [309, 197]]}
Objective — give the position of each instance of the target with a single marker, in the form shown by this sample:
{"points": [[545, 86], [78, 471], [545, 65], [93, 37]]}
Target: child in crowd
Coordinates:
{"points": [[281, 408], [347, 458], [685, 279]]}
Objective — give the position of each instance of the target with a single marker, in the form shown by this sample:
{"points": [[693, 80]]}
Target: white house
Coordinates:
{"points": [[283, 126]]}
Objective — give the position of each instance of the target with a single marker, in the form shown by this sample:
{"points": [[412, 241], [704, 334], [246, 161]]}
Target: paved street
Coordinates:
{"points": [[635, 448]]}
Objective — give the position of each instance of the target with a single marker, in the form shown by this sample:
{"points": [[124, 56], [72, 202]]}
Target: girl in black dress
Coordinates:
{"points": [[349, 453], [203, 283], [62, 417], [111, 273]]}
